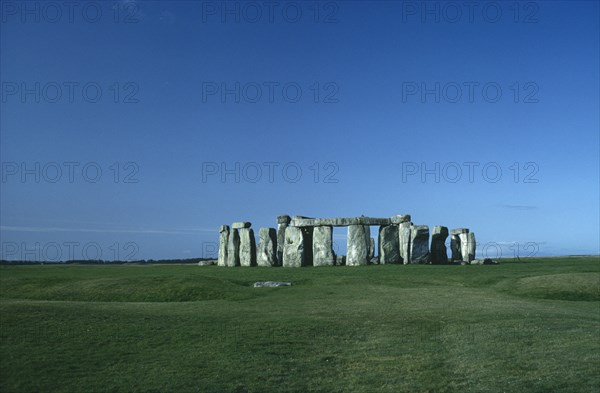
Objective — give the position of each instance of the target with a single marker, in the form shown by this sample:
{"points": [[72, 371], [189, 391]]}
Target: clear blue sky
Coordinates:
{"points": [[369, 132]]}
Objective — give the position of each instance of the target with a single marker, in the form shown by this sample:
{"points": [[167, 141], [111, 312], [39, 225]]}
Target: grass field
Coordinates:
{"points": [[532, 326]]}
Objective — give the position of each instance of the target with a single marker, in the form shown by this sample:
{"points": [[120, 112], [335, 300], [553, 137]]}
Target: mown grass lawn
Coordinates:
{"points": [[532, 326]]}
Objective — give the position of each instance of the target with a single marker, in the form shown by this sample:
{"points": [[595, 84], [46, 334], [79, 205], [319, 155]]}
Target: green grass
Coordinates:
{"points": [[516, 327]]}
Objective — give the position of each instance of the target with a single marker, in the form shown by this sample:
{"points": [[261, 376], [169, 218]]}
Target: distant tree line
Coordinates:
{"points": [[103, 262]]}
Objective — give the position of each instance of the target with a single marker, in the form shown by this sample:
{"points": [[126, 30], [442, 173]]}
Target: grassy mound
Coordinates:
{"points": [[565, 286], [125, 289]]}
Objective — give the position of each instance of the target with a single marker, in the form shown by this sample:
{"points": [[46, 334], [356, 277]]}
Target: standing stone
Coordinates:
{"points": [[372, 250], [282, 224], [455, 248], [247, 247], [293, 248], [233, 248], [456, 243], [358, 244], [307, 238], [439, 255], [267, 247], [368, 231], [368, 235], [419, 244], [223, 240], [464, 245], [241, 225], [471, 246], [322, 246], [404, 241], [389, 245]]}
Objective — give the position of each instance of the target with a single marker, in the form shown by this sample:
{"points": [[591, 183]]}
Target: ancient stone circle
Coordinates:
{"points": [[302, 241]]}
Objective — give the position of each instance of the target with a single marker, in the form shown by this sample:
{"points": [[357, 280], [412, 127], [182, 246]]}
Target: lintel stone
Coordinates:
{"points": [[298, 221], [284, 219], [400, 218]]}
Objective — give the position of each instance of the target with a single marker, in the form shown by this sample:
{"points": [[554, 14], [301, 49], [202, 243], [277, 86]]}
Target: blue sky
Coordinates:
{"points": [[346, 108]]}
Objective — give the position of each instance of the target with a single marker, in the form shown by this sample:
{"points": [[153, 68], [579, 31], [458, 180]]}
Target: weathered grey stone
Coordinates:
{"points": [[464, 245], [322, 246], [371, 249], [340, 260], [389, 245], [489, 261], [223, 240], [358, 244], [271, 284], [233, 248], [208, 262], [404, 241], [419, 244], [400, 218], [486, 261], [241, 225], [374, 261], [299, 221], [266, 254], [439, 254], [455, 248], [247, 247], [281, 227], [284, 219], [293, 249], [458, 244], [471, 246]]}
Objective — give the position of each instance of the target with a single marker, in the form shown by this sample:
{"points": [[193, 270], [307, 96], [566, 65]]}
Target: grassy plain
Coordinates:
{"points": [[530, 326]]}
